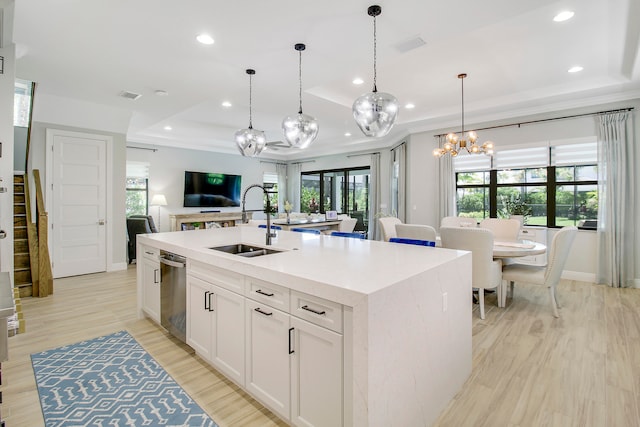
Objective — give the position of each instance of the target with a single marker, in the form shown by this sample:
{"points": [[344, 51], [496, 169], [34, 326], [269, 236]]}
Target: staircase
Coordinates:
{"points": [[21, 259]]}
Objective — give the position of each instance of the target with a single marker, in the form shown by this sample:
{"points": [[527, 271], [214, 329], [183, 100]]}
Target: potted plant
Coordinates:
{"points": [[515, 207]]}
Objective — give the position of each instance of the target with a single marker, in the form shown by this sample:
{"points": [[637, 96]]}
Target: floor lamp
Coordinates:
{"points": [[158, 200]]}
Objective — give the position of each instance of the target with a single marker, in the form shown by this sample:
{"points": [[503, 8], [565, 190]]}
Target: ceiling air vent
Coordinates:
{"points": [[129, 95], [410, 44]]}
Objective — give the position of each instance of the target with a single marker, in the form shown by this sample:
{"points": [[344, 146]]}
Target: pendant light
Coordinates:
{"points": [[301, 129], [375, 112], [250, 142]]}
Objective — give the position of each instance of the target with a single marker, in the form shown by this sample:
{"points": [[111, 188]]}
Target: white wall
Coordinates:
{"points": [[166, 176]]}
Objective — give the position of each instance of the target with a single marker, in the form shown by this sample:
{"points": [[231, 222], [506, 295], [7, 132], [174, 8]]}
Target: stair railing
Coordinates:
{"points": [[32, 241], [44, 275]]}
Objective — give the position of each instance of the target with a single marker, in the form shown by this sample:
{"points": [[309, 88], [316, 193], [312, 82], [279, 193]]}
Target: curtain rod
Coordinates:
{"points": [[272, 163], [398, 145], [301, 162], [545, 120], [142, 148], [363, 154]]}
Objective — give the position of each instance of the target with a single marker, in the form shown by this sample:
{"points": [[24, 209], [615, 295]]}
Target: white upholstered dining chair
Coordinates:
{"points": [[388, 227], [458, 221], [486, 273], [504, 230], [548, 276], [347, 225], [416, 231]]}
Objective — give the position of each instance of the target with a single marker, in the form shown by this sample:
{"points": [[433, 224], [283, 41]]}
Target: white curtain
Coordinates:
{"points": [[374, 196], [616, 204], [293, 185], [446, 187], [281, 171], [399, 156]]}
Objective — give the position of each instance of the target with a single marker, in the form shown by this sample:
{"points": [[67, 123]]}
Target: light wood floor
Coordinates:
{"points": [[529, 369]]}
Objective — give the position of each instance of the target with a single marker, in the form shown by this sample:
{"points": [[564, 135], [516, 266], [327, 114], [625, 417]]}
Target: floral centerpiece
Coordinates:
{"points": [[515, 207]]}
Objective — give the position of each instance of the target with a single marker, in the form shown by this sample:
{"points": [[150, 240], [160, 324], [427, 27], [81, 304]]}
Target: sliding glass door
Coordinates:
{"points": [[342, 190]]}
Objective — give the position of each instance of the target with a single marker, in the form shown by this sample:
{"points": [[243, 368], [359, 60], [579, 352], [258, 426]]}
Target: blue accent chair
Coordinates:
{"points": [[345, 234], [273, 227], [306, 230], [412, 241]]}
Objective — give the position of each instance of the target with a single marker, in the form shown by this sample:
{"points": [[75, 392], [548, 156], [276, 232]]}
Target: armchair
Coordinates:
{"points": [[137, 224]]}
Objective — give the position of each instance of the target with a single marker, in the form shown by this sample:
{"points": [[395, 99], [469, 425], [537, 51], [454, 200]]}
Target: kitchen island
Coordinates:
{"points": [[363, 333]]}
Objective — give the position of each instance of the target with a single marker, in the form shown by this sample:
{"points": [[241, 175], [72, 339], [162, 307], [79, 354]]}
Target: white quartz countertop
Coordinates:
{"points": [[341, 269]]}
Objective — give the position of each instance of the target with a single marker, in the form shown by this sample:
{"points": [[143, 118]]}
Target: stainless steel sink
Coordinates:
{"points": [[245, 250]]}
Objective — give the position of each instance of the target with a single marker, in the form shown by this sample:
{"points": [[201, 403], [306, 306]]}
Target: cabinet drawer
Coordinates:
{"points": [[316, 310], [150, 253], [268, 293], [226, 279]]}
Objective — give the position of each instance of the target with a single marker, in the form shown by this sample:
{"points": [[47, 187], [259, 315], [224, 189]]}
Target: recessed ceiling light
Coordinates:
{"points": [[575, 69], [563, 16], [160, 92], [205, 38], [347, 134], [358, 81], [409, 106], [168, 127], [226, 104]]}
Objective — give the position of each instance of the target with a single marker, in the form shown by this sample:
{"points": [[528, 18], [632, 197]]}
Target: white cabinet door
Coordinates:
{"points": [[199, 316], [227, 349], [267, 357], [316, 375], [151, 288]]}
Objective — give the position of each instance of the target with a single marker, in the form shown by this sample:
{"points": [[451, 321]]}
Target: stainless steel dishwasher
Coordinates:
{"points": [[173, 294]]}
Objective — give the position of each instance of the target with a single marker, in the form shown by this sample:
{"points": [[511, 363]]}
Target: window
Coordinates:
{"points": [[137, 189], [270, 183], [559, 183], [22, 103]]}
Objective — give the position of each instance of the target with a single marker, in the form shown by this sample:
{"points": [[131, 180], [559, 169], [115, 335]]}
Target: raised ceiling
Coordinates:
{"points": [[516, 57]]}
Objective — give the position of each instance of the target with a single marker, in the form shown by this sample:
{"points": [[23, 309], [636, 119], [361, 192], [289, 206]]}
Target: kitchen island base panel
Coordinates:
{"points": [[420, 354]]}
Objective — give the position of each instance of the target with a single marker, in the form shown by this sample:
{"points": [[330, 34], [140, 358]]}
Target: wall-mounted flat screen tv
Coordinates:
{"points": [[211, 190]]}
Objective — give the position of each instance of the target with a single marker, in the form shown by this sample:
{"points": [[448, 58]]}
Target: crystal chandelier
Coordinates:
{"points": [[454, 144], [301, 129], [250, 142], [375, 112]]}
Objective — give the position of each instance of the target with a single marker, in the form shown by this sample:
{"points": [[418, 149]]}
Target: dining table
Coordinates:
{"points": [[319, 224], [517, 249]]}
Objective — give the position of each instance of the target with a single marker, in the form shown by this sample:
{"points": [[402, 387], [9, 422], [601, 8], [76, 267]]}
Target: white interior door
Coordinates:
{"points": [[77, 202]]}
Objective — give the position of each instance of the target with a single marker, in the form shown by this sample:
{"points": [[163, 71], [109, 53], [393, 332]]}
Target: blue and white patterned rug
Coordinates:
{"points": [[111, 381]]}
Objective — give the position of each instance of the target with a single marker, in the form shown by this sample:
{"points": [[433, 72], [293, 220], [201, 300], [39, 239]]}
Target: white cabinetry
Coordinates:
{"points": [[286, 348], [267, 359], [316, 375], [536, 234], [295, 366], [215, 320], [150, 263]]}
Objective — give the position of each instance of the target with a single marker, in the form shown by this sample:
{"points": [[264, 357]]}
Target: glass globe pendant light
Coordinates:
{"points": [[375, 112], [300, 130], [250, 142]]}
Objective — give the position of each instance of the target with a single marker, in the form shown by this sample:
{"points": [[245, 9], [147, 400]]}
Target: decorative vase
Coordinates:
{"points": [[288, 218], [519, 218]]}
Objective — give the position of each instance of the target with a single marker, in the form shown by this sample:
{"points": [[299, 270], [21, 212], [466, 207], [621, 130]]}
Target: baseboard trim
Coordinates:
{"points": [[579, 275], [118, 266]]}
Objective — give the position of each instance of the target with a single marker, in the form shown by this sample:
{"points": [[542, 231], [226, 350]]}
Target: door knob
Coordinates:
{"points": [[101, 222], [3, 234]]}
